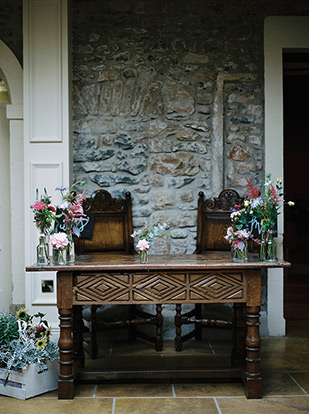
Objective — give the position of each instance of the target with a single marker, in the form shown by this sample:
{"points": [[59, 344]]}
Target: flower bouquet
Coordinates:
{"points": [[145, 236], [73, 219], [239, 243], [44, 216], [26, 347], [264, 211], [44, 212]]}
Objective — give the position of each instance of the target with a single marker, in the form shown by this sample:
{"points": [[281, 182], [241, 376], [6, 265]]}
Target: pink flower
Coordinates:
{"points": [[143, 244], [39, 205], [59, 240]]}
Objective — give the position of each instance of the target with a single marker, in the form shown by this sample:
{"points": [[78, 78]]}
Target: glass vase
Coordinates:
{"points": [[144, 256], [70, 252], [58, 256], [42, 251], [263, 245], [239, 251], [270, 248]]}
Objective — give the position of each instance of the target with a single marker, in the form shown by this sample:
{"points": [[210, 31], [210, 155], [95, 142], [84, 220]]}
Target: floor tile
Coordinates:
{"points": [[279, 383], [285, 362], [283, 405], [81, 390], [281, 345], [165, 406], [220, 346], [209, 389], [51, 406], [134, 390], [302, 378]]}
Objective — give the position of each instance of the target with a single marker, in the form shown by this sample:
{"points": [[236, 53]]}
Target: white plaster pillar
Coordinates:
{"points": [[12, 275], [47, 143], [279, 33]]}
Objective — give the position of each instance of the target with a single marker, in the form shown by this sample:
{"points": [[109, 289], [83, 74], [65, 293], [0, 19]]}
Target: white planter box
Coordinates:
{"points": [[28, 382]]}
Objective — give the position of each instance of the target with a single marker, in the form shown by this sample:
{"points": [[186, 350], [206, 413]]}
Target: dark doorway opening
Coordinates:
{"points": [[296, 183]]}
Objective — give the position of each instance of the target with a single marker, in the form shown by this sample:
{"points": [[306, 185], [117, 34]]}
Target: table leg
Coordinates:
{"points": [[253, 379], [66, 382]]}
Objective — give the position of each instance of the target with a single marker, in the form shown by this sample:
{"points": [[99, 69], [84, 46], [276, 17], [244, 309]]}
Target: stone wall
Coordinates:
{"points": [[167, 101], [11, 26]]}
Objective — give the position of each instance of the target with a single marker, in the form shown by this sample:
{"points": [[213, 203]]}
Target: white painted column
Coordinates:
{"points": [[279, 33], [47, 115]]}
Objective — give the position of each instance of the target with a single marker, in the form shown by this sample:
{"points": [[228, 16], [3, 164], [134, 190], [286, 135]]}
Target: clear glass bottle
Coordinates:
{"points": [[70, 252], [42, 256]]}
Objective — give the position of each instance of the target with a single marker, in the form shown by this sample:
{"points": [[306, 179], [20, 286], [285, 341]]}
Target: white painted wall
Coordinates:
{"points": [[47, 144], [279, 33], [5, 213]]}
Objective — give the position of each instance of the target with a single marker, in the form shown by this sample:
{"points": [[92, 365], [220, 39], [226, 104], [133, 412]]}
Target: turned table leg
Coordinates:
{"points": [[65, 309], [66, 383], [253, 379]]}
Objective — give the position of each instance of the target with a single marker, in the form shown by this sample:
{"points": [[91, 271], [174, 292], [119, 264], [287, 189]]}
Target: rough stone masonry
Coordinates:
{"points": [[167, 102]]}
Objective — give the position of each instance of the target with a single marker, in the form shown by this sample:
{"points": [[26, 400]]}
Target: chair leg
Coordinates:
{"points": [[132, 327], [94, 343], [178, 340], [239, 336], [78, 325], [198, 327], [159, 323]]}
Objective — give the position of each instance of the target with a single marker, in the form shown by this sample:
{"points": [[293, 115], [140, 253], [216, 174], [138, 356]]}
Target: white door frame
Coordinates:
{"points": [[279, 33]]}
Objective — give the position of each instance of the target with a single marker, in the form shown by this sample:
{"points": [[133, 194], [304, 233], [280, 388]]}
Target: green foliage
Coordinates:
{"points": [[8, 328], [24, 341]]}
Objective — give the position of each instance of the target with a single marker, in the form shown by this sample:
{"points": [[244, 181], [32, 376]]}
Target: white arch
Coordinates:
{"points": [[13, 73]]}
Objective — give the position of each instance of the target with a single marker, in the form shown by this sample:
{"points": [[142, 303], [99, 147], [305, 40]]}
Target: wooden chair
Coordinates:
{"points": [[213, 219], [112, 229]]}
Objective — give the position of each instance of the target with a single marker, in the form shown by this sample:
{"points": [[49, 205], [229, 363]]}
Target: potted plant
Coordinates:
{"points": [[28, 356]]}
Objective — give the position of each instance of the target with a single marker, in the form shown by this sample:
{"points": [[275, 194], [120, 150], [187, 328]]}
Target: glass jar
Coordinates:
{"points": [[268, 250], [70, 252], [58, 256], [144, 256], [239, 251]]}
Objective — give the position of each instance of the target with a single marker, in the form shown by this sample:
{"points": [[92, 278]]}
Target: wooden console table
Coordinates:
{"points": [[181, 279]]}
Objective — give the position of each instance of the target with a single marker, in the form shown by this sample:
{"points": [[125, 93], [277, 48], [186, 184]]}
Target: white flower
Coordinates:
{"points": [[291, 203]]}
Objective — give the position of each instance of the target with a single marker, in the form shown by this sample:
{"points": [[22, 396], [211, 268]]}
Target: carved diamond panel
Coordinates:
{"points": [[216, 286], [110, 288], [159, 287]]}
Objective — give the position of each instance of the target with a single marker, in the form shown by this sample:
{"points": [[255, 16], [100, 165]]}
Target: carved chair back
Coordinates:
{"points": [[112, 225], [213, 219]]}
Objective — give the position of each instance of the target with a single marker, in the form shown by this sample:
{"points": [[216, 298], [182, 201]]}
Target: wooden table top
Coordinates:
{"points": [[127, 262]]}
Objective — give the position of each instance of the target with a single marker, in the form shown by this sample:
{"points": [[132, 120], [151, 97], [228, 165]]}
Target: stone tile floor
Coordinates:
{"points": [[285, 371]]}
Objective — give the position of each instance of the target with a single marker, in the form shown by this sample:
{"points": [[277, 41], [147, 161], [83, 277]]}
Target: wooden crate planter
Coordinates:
{"points": [[28, 382]]}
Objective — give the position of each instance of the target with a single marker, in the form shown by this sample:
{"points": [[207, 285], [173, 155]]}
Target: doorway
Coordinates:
{"points": [[296, 183]]}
